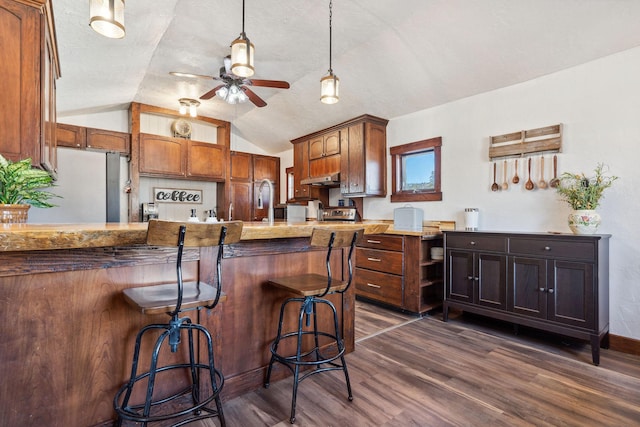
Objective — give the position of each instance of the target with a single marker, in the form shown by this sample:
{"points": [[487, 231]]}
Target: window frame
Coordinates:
{"points": [[397, 153]]}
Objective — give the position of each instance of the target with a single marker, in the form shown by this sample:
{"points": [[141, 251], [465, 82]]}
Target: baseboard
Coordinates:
{"points": [[624, 344]]}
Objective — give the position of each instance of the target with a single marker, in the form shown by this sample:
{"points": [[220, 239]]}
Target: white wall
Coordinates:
{"points": [[599, 105]]}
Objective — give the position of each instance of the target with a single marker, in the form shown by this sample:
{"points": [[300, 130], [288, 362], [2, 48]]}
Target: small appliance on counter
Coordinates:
{"points": [[296, 213], [408, 218], [339, 213], [148, 211], [471, 216]]}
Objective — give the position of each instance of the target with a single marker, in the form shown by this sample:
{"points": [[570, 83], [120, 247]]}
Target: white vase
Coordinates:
{"points": [[584, 221]]}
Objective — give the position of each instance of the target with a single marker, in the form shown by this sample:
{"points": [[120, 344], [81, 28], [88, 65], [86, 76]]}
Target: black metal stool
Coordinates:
{"points": [[312, 288], [174, 299]]}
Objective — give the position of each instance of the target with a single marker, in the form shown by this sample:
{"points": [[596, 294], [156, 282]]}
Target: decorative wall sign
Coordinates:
{"points": [[177, 195]]}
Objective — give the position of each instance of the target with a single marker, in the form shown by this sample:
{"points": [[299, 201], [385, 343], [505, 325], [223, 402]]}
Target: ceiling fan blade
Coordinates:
{"points": [[259, 102], [211, 93], [268, 83], [190, 75]]}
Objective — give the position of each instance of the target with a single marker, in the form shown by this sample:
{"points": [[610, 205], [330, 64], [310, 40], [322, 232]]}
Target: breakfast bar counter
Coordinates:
{"points": [[68, 334]]}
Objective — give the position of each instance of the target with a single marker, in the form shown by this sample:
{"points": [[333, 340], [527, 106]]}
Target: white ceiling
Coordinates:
{"points": [[393, 57]]}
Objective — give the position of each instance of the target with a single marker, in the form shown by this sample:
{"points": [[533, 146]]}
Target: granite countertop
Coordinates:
{"points": [[29, 237]]}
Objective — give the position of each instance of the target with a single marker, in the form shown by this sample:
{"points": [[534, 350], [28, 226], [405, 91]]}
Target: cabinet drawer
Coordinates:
{"points": [[381, 241], [552, 248], [379, 286], [476, 242], [374, 259]]}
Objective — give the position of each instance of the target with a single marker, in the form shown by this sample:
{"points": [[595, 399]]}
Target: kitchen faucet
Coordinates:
{"points": [[271, 195]]}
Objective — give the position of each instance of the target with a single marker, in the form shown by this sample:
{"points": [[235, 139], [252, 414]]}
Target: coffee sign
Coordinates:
{"points": [[177, 195]]}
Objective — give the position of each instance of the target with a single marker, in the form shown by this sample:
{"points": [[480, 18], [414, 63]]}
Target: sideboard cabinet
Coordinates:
{"points": [[553, 282]]}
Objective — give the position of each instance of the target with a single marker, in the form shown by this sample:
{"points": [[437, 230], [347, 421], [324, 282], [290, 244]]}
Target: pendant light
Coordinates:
{"points": [[107, 17], [189, 105], [242, 53], [330, 84]]}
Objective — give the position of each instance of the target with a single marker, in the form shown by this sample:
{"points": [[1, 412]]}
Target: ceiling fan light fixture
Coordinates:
{"points": [[330, 84], [330, 88], [107, 17], [189, 105]]}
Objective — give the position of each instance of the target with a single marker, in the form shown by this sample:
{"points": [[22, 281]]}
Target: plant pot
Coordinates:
{"points": [[584, 221], [14, 214]]}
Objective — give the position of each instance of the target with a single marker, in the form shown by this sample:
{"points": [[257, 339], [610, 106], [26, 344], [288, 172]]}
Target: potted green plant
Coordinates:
{"points": [[584, 194], [22, 186]]}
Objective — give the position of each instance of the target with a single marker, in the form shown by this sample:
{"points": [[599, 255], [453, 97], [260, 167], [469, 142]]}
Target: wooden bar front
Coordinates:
{"points": [[68, 335]]}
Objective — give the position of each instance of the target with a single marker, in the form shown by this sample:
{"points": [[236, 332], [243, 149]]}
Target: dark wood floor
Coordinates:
{"points": [[409, 371]]}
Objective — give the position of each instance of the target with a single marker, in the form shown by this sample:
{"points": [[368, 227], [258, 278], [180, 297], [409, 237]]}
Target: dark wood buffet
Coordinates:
{"points": [[554, 282]]}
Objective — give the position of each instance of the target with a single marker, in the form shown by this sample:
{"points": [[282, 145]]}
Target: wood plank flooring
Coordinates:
{"points": [[410, 371]]}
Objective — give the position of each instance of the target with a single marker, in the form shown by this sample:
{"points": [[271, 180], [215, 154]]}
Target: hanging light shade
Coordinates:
{"points": [[189, 105], [330, 84], [242, 53], [107, 17]]}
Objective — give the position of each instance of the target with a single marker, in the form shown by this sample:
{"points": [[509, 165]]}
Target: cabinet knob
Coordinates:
{"points": [[477, 279], [550, 290], [542, 289], [472, 243], [469, 277], [547, 248]]}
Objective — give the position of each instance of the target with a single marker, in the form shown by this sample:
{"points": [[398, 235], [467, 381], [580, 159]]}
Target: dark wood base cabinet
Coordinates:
{"points": [[554, 282]]}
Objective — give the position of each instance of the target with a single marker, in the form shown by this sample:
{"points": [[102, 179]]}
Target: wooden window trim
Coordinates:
{"points": [[397, 195]]}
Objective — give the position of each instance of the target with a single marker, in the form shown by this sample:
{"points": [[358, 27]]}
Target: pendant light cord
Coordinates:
{"points": [[243, 17], [330, 19]]}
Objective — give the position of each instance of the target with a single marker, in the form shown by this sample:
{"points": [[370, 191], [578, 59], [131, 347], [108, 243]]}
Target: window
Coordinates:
{"points": [[415, 169]]}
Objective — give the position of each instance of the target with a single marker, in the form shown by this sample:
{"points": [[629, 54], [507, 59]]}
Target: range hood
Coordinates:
{"points": [[332, 180]]}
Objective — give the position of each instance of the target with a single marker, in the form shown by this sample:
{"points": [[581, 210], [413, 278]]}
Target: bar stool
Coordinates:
{"points": [[311, 289], [174, 299]]}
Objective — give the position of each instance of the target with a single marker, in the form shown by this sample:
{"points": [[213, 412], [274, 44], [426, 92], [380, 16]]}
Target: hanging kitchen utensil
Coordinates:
{"points": [[494, 186], [554, 181], [529, 184], [542, 183], [516, 178], [505, 185]]}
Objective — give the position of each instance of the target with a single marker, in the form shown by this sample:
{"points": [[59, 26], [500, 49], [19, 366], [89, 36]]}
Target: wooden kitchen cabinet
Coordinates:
{"points": [[247, 172], [397, 270], [556, 283], [324, 145], [169, 157], [300, 170], [71, 136], [363, 158], [29, 68], [95, 139]]}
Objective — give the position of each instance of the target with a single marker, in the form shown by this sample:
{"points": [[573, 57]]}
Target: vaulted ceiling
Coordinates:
{"points": [[393, 57]]}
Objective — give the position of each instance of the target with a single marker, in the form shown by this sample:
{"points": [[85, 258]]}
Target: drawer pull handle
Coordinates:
{"points": [[374, 286], [547, 248], [374, 259], [373, 241]]}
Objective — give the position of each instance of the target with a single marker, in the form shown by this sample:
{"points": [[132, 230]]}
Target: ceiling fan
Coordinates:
{"points": [[234, 89]]}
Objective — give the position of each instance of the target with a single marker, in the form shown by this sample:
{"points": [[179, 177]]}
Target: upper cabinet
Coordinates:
{"points": [[29, 68], [94, 139], [356, 149], [165, 156]]}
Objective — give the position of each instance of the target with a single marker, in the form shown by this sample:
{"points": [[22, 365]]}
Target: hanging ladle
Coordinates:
{"points": [[529, 184], [542, 183], [516, 178], [555, 181], [494, 186]]}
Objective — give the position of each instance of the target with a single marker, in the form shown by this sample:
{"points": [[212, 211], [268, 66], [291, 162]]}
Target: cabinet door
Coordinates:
{"points": [[241, 197], [241, 166], [300, 169], [490, 274], [316, 148], [160, 155], [528, 286], [206, 160], [571, 294], [100, 139], [352, 171], [331, 143], [266, 167], [460, 279], [71, 136], [49, 152]]}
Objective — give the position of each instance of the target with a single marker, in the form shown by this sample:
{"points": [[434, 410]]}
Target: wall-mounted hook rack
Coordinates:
{"points": [[539, 140]]}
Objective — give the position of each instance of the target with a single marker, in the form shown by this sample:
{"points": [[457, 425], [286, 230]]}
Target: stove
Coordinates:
{"points": [[341, 213]]}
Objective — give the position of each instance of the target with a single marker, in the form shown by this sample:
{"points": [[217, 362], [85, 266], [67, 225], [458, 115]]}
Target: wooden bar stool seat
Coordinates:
{"points": [[316, 350], [174, 299]]}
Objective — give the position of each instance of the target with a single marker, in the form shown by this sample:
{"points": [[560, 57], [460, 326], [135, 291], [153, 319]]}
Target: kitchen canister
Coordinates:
{"points": [[471, 219]]}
